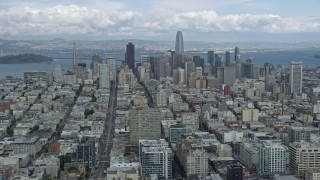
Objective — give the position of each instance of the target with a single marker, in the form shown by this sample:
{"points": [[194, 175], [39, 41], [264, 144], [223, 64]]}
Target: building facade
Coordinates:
{"points": [[144, 124], [156, 158], [304, 155], [274, 158], [296, 77]]}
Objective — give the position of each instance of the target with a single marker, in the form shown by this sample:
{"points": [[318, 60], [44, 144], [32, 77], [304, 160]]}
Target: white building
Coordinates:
{"points": [[155, 158], [232, 136], [274, 158], [181, 79]]}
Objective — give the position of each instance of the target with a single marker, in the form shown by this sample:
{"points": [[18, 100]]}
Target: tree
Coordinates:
{"points": [[33, 129], [88, 112], [93, 98], [64, 159], [9, 131], [87, 175]]}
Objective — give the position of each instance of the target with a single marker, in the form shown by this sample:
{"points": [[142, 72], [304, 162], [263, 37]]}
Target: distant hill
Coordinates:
{"points": [[24, 58]]}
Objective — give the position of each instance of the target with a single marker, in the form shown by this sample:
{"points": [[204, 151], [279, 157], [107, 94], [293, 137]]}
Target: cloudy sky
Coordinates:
{"points": [[200, 20]]}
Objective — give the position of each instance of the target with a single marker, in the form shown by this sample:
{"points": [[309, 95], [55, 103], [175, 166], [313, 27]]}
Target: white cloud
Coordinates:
{"points": [[84, 20]]}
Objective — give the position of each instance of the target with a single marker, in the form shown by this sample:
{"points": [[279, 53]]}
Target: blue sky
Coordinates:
{"points": [[203, 20]]}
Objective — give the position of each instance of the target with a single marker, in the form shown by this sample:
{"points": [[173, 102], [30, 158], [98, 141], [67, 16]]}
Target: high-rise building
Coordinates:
{"points": [[145, 59], [181, 76], [249, 154], [228, 58], [70, 78], [179, 51], [296, 77], [130, 56], [156, 158], [168, 69], [247, 70], [112, 68], [189, 67], [274, 158], [218, 60], [298, 134], [160, 70], [192, 156], [104, 76], [74, 55], [206, 69], [304, 155], [96, 60], [198, 62], [144, 124], [226, 75], [199, 71], [58, 75], [175, 132], [236, 54], [211, 61]]}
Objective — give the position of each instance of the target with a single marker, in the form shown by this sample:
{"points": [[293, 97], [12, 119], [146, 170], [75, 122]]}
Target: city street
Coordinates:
{"points": [[105, 147]]}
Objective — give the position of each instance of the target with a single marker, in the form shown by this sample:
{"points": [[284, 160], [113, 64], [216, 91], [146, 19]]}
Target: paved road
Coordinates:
{"points": [[105, 147]]}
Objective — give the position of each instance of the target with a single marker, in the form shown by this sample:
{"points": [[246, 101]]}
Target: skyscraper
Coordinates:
{"points": [[228, 58], [96, 60], [79, 71], [179, 51], [198, 62], [104, 76], [130, 56], [58, 74], [247, 70], [74, 53], [226, 75], [179, 43], [210, 56], [296, 77], [112, 68], [236, 54], [268, 73], [189, 67]]}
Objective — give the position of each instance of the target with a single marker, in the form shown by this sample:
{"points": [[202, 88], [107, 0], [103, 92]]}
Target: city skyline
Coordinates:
{"points": [[213, 21]]}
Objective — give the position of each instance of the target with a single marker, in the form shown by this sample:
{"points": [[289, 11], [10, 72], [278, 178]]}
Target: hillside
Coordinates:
{"points": [[24, 58]]}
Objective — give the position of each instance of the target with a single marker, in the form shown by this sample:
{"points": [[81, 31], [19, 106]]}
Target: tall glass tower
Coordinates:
{"points": [[179, 51], [130, 56], [179, 43]]}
